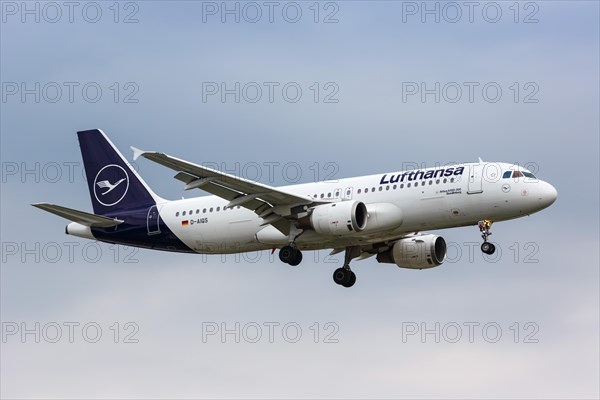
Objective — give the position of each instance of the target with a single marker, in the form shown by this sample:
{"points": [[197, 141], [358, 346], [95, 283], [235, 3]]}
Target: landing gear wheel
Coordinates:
{"points": [[340, 276], [488, 248], [286, 254], [351, 280], [290, 255], [344, 277], [297, 258]]}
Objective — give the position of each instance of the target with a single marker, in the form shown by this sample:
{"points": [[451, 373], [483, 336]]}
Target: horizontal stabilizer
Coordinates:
{"points": [[84, 218]]}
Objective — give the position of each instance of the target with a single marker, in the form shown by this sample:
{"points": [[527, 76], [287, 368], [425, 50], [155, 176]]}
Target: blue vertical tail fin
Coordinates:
{"points": [[114, 185]]}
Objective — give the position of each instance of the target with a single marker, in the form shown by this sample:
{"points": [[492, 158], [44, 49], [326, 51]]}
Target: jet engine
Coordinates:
{"points": [[339, 219], [416, 252]]}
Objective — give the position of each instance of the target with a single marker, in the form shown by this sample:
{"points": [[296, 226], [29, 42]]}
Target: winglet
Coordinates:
{"points": [[136, 152], [480, 160]]}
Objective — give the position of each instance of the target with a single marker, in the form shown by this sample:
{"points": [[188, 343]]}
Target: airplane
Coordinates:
{"points": [[382, 215]]}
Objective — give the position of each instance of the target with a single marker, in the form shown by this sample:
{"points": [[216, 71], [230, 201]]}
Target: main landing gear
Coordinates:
{"points": [[345, 276], [290, 255], [485, 229]]}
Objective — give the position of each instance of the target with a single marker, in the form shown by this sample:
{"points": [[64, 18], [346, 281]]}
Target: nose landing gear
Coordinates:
{"points": [[485, 229]]}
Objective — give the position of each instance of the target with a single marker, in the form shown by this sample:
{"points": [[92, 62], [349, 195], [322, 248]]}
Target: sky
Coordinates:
{"points": [[284, 93]]}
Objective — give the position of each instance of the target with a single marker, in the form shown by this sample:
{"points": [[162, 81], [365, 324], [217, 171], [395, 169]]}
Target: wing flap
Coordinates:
{"points": [[82, 217]]}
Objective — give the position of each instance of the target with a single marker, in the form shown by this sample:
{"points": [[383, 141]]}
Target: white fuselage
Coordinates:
{"points": [[438, 202]]}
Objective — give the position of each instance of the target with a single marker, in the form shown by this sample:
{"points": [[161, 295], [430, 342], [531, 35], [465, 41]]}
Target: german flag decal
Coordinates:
{"points": [[185, 223]]}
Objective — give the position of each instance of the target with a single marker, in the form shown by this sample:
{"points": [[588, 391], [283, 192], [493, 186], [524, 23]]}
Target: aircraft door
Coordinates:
{"points": [[153, 221], [475, 179]]}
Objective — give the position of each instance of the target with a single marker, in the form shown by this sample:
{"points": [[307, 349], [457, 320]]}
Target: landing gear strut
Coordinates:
{"points": [[344, 276], [485, 229]]}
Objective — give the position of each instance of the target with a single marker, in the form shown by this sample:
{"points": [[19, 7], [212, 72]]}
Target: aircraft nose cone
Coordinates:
{"points": [[548, 195]]}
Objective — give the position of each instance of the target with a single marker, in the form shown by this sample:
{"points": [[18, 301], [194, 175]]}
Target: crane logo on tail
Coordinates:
{"points": [[111, 185]]}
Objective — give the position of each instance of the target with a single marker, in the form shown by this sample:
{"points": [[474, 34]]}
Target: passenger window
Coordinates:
{"points": [[204, 211], [322, 195], [218, 208], [416, 184], [451, 179], [380, 188], [191, 212], [445, 180], [183, 214], [506, 174], [366, 190], [177, 214], [402, 186], [372, 189], [437, 181], [329, 195], [430, 183], [395, 186], [198, 211], [387, 187], [210, 210], [408, 185], [359, 191]]}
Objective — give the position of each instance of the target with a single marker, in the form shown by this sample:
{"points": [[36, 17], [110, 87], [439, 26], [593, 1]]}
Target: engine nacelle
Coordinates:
{"points": [[383, 216], [338, 219], [416, 252]]}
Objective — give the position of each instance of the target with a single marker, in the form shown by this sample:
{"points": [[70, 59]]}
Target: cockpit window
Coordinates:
{"points": [[518, 174]]}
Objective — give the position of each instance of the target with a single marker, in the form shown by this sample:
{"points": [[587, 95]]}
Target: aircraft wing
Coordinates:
{"points": [[81, 217], [271, 204]]}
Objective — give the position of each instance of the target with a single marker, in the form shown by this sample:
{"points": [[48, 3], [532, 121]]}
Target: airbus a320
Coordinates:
{"points": [[383, 215]]}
